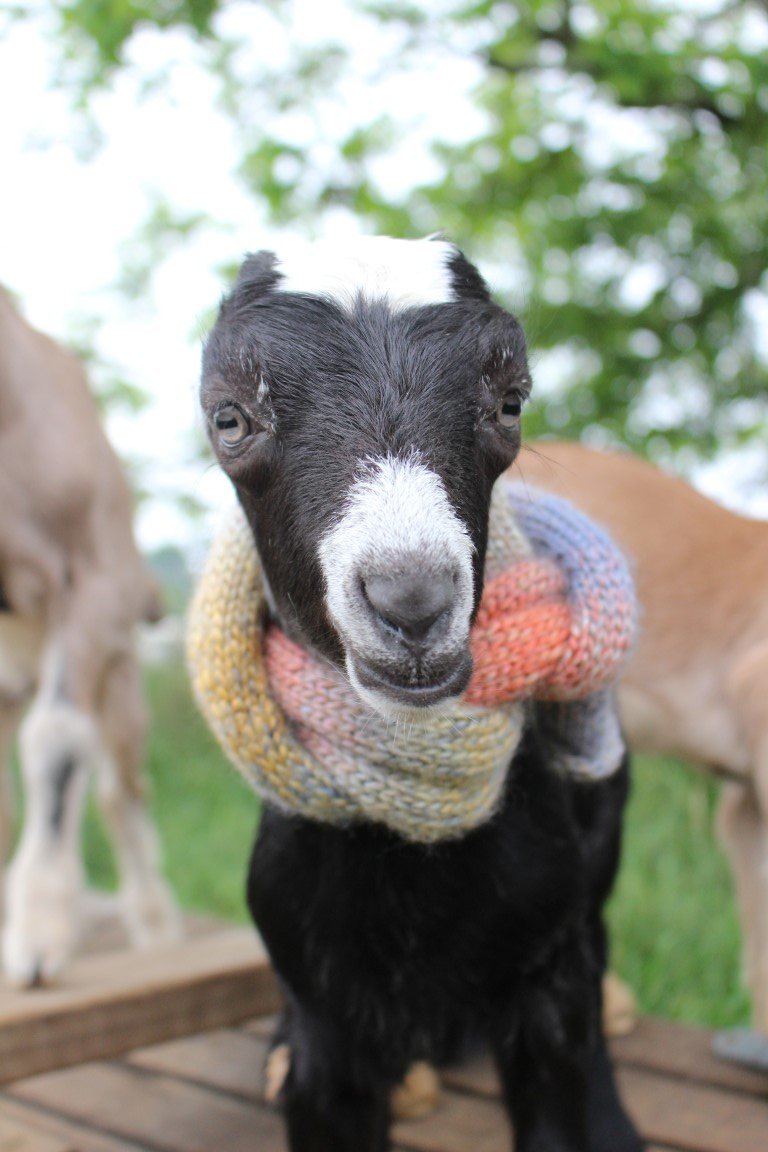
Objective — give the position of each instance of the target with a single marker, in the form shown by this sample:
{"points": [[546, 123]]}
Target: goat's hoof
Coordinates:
{"points": [[42, 925], [619, 1006], [418, 1094], [151, 915], [276, 1072]]}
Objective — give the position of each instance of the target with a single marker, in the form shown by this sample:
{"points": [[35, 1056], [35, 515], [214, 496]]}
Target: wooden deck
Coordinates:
{"points": [[166, 1051]]}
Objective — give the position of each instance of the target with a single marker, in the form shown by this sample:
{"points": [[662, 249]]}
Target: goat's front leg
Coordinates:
{"points": [[331, 1104], [557, 1079]]}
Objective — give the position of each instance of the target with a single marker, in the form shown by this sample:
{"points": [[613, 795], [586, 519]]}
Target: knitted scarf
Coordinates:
{"points": [[556, 620]]}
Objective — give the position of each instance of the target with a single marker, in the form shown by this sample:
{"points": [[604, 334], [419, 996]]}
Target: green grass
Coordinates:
{"points": [[675, 934], [674, 927]]}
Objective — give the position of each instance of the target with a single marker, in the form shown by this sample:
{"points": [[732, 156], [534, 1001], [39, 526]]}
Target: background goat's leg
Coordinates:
{"points": [[10, 717], [743, 824], [743, 835], [59, 745], [147, 903]]}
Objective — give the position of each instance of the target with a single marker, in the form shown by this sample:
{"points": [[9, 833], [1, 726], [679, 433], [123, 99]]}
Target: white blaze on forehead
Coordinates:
{"points": [[397, 517], [402, 273]]}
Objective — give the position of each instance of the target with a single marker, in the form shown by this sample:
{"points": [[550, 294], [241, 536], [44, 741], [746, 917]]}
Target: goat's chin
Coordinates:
{"points": [[398, 701]]}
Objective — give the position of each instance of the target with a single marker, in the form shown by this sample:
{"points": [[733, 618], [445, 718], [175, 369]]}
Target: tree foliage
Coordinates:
{"points": [[617, 183]]}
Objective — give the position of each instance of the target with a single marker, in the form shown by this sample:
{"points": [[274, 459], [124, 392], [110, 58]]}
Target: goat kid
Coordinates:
{"points": [[363, 402], [72, 589], [697, 684]]}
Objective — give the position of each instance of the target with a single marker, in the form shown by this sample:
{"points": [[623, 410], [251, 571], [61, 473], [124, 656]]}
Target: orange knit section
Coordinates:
{"points": [[520, 634]]}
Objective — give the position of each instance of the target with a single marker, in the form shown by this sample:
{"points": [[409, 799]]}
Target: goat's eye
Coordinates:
{"points": [[232, 425], [509, 410]]}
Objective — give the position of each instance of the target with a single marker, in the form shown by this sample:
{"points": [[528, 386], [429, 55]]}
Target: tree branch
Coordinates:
{"points": [[687, 107]]}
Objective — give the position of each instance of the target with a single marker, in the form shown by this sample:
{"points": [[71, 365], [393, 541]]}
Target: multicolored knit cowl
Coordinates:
{"points": [[556, 620]]}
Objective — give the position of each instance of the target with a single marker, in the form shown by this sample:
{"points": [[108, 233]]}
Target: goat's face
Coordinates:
{"points": [[363, 403]]}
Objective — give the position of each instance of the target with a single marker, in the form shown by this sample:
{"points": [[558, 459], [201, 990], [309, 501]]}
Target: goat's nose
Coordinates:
{"points": [[410, 605]]}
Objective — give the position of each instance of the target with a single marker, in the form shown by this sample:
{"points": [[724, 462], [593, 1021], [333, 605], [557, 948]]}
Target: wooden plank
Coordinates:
{"points": [[157, 1111], [694, 1117], [54, 1128], [231, 1061], [111, 1003], [684, 1051], [21, 1137], [263, 1026]]}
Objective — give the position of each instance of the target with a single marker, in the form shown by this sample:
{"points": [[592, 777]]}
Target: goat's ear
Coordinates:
{"points": [[258, 273], [467, 281]]}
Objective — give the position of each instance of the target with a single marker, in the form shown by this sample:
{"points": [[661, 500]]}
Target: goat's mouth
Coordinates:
{"points": [[391, 690]]}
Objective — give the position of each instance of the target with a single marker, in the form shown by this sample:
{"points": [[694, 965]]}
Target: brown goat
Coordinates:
{"points": [[72, 589], [697, 686]]}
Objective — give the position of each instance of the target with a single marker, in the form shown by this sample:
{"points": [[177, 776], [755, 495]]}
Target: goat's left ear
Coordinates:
{"points": [[258, 273]]}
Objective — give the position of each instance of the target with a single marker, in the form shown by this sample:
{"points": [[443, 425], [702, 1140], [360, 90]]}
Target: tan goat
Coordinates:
{"points": [[697, 686], [72, 588]]}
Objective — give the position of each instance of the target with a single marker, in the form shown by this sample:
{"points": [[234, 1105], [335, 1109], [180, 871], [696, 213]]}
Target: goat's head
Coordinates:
{"points": [[363, 401]]}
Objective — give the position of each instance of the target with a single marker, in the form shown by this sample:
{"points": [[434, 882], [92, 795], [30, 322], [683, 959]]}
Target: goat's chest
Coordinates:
{"points": [[409, 941]]}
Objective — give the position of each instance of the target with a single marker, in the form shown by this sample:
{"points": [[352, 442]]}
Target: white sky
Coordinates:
{"points": [[66, 223]]}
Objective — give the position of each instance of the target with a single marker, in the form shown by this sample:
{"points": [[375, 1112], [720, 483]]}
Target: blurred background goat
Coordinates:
{"points": [[697, 686], [72, 590]]}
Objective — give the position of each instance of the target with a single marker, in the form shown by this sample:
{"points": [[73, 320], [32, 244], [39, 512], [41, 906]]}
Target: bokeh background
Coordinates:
{"points": [[604, 161]]}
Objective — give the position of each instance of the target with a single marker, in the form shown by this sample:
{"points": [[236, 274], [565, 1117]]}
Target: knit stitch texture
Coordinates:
{"points": [[556, 620]]}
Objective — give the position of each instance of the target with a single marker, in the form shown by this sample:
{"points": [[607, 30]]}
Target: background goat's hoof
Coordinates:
{"points": [[619, 1006], [418, 1094], [42, 924], [151, 915]]}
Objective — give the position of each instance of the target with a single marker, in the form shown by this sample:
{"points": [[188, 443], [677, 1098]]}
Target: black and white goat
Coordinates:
{"points": [[363, 402]]}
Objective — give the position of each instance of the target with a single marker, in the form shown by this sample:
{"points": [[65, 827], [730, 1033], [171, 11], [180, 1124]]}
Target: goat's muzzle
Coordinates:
{"points": [[399, 587], [418, 651]]}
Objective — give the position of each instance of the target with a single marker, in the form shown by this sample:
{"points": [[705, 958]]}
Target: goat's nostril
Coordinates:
{"points": [[410, 606]]}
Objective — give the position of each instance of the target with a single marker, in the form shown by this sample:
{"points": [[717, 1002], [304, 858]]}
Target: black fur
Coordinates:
{"points": [[389, 951], [5, 605]]}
